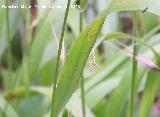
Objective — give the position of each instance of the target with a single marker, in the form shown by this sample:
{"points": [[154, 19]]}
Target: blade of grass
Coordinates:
{"points": [[58, 58], [73, 106], [120, 35], [103, 89], [151, 33], [9, 53], [27, 43], [134, 67], [151, 88], [129, 5], [82, 79], [6, 110], [75, 60], [139, 58], [149, 94], [115, 106], [137, 31], [14, 19], [35, 52]]}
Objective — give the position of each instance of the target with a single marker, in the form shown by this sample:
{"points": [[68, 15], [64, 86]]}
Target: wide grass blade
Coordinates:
{"points": [[75, 61]]}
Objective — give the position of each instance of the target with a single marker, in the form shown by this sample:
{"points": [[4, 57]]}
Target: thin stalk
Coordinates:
{"points": [[58, 57], [27, 44], [81, 21], [9, 51], [83, 97], [134, 66], [82, 79]]}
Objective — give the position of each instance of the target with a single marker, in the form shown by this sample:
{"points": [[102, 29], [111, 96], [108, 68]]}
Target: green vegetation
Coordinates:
{"points": [[82, 58]]}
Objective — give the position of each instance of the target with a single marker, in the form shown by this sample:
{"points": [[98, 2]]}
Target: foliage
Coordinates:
{"points": [[101, 55]]}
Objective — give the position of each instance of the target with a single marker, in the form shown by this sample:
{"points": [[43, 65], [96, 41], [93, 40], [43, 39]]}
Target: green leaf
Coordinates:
{"points": [[75, 107], [113, 105], [6, 110], [39, 103], [117, 35], [38, 46], [146, 22], [120, 35], [74, 64], [151, 87], [15, 18], [42, 37], [101, 90], [126, 5], [117, 101]]}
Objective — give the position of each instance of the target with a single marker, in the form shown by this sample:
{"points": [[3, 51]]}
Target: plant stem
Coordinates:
{"points": [[58, 57], [27, 44], [82, 79], [81, 21], [9, 52], [83, 97], [134, 66]]}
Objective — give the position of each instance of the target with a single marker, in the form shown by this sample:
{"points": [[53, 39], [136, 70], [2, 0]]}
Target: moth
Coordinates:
{"points": [[93, 64], [143, 11]]}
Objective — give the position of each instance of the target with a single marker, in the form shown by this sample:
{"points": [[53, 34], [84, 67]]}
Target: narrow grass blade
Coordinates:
{"points": [[151, 88], [53, 114], [116, 104], [9, 51], [82, 79]]}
